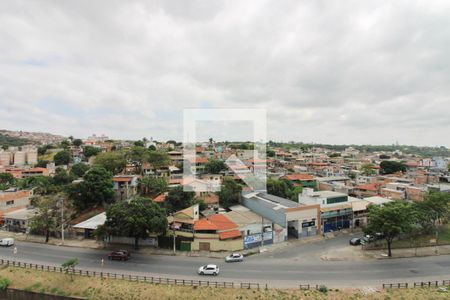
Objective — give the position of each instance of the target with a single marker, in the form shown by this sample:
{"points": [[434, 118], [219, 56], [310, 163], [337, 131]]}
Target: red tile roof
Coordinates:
{"points": [[204, 224], [229, 234], [160, 198], [298, 176], [122, 179], [199, 160], [368, 187], [222, 222]]}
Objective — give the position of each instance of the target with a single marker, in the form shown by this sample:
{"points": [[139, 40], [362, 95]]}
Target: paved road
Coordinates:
{"points": [[284, 268]]}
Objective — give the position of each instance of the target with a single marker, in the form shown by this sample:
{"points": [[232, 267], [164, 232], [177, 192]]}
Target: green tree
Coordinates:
{"points": [[137, 155], [77, 142], [65, 144], [69, 266], [44, 220], [215, 166], [433, 210], [89, 151], [151, 185], [392, 220], [367, 170], [139, 143], [270, 153], [201, 203], [42, 163], [42, 185], [114, 162], [78, 170], [178, 199], [152, 148], [62, 158], [61, 177], [7, 179], [389, 167], [137, 219], [95, 189], [158, 159], [230, 193], [278, 188]]}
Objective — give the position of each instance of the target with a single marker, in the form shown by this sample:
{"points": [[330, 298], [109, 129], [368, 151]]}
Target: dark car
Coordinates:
{"points": [[355, 241], [119, 255]]}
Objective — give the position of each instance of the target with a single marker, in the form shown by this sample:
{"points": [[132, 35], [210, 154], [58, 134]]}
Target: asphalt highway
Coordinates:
{"points": [[274, 270]]}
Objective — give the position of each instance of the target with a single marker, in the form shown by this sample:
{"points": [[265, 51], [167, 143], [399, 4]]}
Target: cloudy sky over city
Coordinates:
{"points": [[363, 72]]}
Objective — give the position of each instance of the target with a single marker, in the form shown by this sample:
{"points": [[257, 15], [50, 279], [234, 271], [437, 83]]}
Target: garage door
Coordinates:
{"points": [[203, 246]]}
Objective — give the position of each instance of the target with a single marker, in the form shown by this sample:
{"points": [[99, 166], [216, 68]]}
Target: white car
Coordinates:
{"points": [[234, 257], [7, 242], [208, 270]]}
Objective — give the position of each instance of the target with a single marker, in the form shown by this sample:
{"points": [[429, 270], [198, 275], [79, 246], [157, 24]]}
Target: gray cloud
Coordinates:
{"points": [[327, 71]]}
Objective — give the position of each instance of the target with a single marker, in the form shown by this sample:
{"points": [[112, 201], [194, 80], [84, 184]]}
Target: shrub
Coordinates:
{"points": [[4, 283], [323, 289]]}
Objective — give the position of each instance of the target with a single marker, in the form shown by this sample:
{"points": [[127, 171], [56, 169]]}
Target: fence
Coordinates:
{"points": [[405, 285], [137, 278]]}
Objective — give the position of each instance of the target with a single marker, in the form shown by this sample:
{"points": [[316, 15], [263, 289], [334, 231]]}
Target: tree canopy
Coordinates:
{"points": [[230, 193], [113, 162], [390, 166], [62, 158], [89, 151], [215, 166], [137, 218], [391, 220], [79, 169], [178, 199], [96, 188]]}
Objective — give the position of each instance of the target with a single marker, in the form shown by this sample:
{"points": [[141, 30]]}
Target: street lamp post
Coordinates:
{"points": [[62, 220]]}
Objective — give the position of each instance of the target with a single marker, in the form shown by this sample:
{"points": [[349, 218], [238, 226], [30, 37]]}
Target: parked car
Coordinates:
{"points": [[355, 241], [208, 270], [7, 242], [234, 257], [119, 255]]}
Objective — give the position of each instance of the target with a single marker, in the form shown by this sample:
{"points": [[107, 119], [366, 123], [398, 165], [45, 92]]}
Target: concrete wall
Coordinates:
{"points": [[218, 245], [21, 200]]}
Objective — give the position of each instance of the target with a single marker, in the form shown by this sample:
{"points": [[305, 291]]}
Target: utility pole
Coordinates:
{"points": [[174, 236]]}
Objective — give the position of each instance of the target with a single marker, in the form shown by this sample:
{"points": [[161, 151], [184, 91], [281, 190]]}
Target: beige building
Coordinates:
{"points": [[5, 158]]}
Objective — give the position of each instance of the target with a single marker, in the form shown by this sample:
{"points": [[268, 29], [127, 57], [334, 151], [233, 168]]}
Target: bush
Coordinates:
{"points": [[4, 283], [323, 289]]}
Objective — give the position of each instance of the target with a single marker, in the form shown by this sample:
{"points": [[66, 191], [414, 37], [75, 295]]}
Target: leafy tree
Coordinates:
{"points": [[392, 220], [77, 142], [43, 149], [62, 158], [65, 144], [78, 170], [178, 199], [42, 185], [69, 266], [114, 162], [96, 188], [270, 153], [389, 167], [151, 185], [61, 177], [44, 221], [336, 154], [89, 151], [137, 219], [152, 148], [367, 170], [139, 143], [137, 155], [158, 159], [7, 179], [215, 166], [42, 163], [201, 203], [278, 188], [434, 209], [230, 193]]}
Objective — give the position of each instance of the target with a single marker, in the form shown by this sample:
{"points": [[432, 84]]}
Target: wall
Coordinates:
{"points": [[13, 294], [218, 245], [21, 200]]}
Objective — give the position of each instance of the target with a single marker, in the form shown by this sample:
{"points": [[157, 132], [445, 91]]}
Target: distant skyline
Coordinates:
{"points": [[333, 72]]}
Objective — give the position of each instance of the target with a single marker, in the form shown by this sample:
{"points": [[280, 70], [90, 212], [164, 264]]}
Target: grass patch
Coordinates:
{"points": [[96, 288]]}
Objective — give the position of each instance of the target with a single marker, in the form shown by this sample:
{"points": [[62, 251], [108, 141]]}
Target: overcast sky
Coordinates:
{"points": [[372, 72]]}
